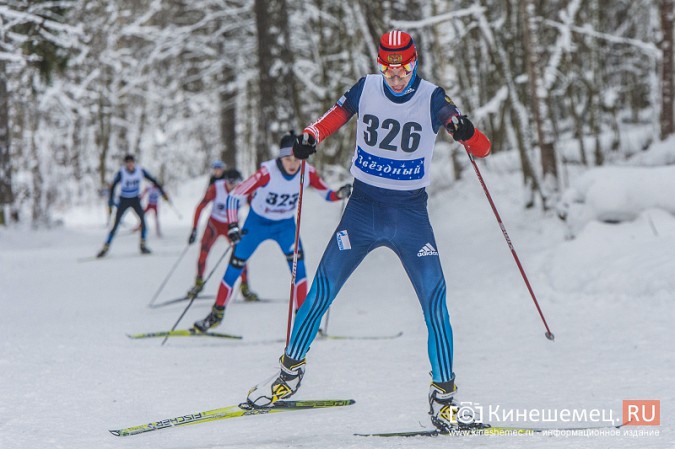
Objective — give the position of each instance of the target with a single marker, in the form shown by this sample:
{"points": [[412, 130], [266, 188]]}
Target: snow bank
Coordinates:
{"points": [[617, 194], [633, 259]]}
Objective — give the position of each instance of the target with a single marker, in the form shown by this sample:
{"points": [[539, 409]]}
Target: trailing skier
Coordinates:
{"points": [[276, 186], [222, 182], [153, 193]]}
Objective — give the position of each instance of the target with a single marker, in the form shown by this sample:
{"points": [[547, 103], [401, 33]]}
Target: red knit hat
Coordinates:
{"points": [[396, 47]]}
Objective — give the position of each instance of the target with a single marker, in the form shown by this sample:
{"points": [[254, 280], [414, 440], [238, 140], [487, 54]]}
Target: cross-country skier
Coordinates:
{"points": [[129, 178], [217, 171], [153, 193], [223, 181], [399, 115], [272, 217]]}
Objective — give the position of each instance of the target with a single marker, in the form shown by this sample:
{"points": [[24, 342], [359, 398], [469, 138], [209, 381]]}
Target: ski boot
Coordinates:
{"points": [[212, 320], [246, 292], [197, 288], [280, 387], [443, 408], [103, 251], [144, 248]]}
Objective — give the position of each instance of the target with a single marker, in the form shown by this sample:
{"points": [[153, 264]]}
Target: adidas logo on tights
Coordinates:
{"points": [[427, 250]]}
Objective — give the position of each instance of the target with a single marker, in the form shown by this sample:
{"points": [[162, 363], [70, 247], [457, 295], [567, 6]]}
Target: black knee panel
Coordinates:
{"points": [[237, 262], [289, 257]]}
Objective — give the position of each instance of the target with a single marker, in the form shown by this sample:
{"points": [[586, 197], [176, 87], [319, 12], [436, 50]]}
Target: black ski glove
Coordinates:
{"points": [[233, 233], [460, 127], [344, 192], [304, 146], [193, 236]]}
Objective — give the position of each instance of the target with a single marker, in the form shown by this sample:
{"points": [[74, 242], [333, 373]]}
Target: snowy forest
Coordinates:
{"points": [[557, 83]]}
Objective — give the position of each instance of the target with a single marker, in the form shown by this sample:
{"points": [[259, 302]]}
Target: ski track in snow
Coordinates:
{"points": [[69, 373]]}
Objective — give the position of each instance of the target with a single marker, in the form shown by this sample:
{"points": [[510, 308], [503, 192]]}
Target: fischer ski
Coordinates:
{"points": [[184, 298], [485, 429], [234, 411], [488, 430], [184, 333], [323, 335]]}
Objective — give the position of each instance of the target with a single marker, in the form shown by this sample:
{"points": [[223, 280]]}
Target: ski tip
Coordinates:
{"points": [[217, 335], [117, 433], [313, 403], [414, 433]]}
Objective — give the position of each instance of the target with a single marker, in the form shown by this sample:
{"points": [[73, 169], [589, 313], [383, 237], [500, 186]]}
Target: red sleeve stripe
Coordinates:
{"points": [[258, 179], [232, 209], [243, 190]]}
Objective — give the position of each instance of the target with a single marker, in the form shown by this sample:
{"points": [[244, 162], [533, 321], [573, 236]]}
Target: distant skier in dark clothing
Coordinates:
{"points": [[129, 177], [153, 193]]}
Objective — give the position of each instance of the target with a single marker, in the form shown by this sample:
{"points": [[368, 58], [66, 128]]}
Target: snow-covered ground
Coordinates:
{"points": [[68, 373]]}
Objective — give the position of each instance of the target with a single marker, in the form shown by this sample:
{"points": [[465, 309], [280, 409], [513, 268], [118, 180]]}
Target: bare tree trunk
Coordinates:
{"points": [[6, 194], [103, 137], [77, 150], [275, 80], [667, 87], [517, 110], [538, 103], [530, 180], [577, 112], [227, 97], [142, 121], [228, 122], [376, 17], [39, 212], [265, 85], [594, 90]]}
